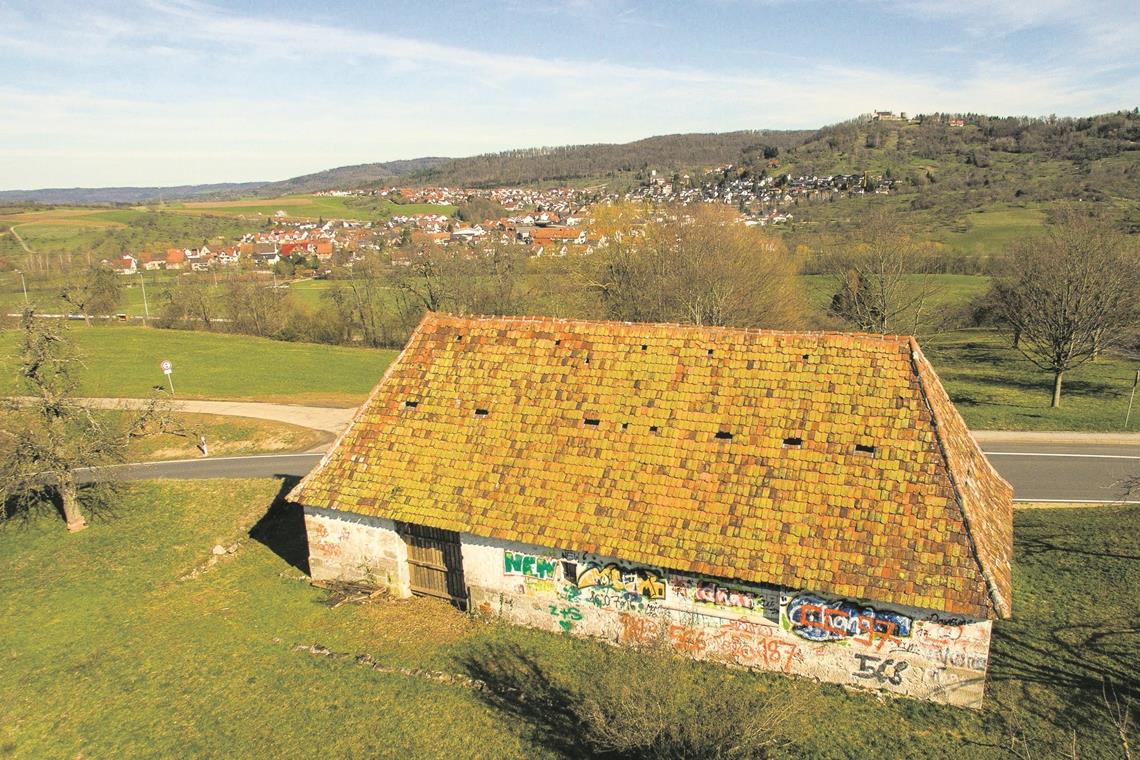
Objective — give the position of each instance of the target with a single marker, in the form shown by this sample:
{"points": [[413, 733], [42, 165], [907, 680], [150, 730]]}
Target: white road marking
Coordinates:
{"points": [[1074, 456]]}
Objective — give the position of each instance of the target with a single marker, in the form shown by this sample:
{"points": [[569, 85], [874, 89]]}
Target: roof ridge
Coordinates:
{"points": [[1001, 604], [534, 318]]}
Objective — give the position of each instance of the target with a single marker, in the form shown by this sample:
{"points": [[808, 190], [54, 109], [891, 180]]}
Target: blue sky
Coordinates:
{"points": [[160, 92]]}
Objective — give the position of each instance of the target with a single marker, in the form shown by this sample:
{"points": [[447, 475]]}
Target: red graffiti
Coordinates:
{"points": [[875, 633], [755, 652], [710, 593], [637, 630], [687, 639]]}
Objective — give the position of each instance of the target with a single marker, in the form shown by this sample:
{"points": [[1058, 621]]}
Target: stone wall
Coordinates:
{"points": [[352, 547], [858, 643], [901, 650]]}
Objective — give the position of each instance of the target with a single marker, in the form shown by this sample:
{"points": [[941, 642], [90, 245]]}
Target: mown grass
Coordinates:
{"points": [[946, 292], [225, 436], [996, 388], [123, 361], [993, 231], [310, 207], [108, 653]]}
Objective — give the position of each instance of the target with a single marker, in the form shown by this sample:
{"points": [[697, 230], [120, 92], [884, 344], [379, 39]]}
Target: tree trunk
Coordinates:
{"points": [[69, 496], [1057, 389]]}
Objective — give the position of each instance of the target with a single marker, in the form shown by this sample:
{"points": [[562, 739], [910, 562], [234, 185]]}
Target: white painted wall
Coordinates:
{"points": [[901, 650]]}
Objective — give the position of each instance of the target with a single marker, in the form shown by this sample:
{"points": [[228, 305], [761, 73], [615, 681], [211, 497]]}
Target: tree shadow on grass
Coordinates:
{"points": [[282, 528], [517, 685]]}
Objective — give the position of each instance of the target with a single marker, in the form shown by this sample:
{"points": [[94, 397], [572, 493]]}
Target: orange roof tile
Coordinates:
{"points": [[672, 446]]}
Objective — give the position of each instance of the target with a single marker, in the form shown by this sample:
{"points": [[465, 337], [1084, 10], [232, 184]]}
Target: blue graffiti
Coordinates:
{"points": [[817, 619]]}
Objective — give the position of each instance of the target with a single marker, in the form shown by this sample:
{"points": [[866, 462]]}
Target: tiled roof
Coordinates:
{"points": [[825, 461]]}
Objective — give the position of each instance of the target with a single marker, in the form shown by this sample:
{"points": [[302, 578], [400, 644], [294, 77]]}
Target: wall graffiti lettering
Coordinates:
{"points": [[566, 616], [713, 594], [882, 671], [638, 630], [753, 651], [815, 619], [529, 565], [637, 581], [687, 639]]}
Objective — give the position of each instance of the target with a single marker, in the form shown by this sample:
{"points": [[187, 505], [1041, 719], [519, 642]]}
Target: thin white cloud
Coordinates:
{"points": [[459, 101]]}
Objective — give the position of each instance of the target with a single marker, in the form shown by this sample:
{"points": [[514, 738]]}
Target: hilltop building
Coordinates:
{"points": [[809, 503]]}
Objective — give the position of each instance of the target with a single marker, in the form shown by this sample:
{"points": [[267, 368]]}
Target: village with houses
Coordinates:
{"points": [[547, 222]]}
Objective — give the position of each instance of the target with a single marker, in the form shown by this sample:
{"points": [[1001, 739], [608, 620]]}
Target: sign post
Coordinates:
{"points": [[167, 369], [1135, 382]]}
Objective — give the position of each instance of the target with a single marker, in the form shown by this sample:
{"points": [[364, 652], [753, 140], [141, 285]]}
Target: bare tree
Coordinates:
{"points": [[696, 265], [882, 279], [97, 290], [50, 435], [1070, 294], [191, 299]]}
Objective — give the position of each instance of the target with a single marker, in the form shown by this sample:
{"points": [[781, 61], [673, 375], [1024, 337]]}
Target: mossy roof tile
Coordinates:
{"points": [[925, 504]]}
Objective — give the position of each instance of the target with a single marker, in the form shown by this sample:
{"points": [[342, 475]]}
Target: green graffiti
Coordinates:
{"points": [[528, 565]]}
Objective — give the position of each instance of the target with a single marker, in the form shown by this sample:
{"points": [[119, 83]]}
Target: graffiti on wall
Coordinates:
{"points": [[816, 619], [879, 670], [529, 565], [642, 582], [566, 616], [707, 593]]}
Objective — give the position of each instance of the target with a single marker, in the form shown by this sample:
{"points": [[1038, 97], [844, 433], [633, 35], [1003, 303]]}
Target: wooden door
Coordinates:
{"points": [[435, 561]]}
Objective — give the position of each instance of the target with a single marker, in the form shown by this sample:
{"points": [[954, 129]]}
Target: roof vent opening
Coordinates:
{"points": [[411, 404], [710, 352], [625, 426], [806, 357], [724, 435], [644, 346], [481, 412], [591, 421], [458, 338], [652, 428], [793, 441], [587, 360], [558, 342], [861, 449]]}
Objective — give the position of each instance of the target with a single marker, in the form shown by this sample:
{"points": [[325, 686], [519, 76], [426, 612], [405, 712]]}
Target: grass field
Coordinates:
{"points": [[995, 388], [947, 291], [308, 207], [225, 436], [992, 232], [113, 647], [123, 361]]}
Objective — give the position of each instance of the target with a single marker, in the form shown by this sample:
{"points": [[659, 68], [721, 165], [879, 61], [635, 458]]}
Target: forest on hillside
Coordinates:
{"points": [[602, 161]]}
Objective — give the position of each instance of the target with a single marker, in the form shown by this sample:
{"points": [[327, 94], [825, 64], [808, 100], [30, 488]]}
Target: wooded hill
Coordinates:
{"points": [[601, 162], [947, 169]]}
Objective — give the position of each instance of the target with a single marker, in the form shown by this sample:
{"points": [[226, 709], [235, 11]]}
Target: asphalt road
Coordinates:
{"points": [[1038, 472]]}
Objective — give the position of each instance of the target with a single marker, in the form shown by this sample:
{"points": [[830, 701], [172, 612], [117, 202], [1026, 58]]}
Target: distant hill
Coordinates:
{"points": [[81, 196], [604, 160], [341, 177], [351, 176]]}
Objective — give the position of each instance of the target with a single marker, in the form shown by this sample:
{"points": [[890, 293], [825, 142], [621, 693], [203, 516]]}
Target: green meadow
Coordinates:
{"points": [[123, 361], [130, 639]]}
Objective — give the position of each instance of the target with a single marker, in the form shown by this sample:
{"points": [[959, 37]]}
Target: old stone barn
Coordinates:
{"points": [[807, 503]]}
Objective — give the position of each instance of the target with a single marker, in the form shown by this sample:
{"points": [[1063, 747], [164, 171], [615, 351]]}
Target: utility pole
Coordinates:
{"points": [[23, 285], [1131, 398], [146, 307]]}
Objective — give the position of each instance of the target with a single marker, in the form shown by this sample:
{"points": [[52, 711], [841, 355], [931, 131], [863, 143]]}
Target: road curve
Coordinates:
{"points": [[1038, 472]]}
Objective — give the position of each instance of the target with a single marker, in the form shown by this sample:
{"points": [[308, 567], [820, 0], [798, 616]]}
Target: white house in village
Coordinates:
{"points": [[807, 503]]}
